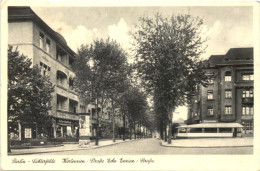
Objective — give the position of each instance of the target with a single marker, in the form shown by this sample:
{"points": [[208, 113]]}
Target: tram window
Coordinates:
{"points": [[196, 130], [210, 130], [225, 130], [183, 130]]}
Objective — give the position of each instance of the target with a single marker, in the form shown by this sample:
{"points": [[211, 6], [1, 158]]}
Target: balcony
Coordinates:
{"points": [[248, 100], [61, 79], [67, 115], [247, 117], [67, 93]]}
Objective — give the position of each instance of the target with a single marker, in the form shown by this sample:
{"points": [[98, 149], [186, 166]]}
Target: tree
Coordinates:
{"points": [[135, 107], [101, 74], [29, 93], [168, 59]]}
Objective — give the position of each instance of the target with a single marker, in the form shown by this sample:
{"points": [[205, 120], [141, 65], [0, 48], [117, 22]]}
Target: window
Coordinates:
{"points": [[41, 40], [71, 83], [228, 76], [248, 93], [48, 45], [247, 77], [45, 70], [210, 78], [228, 110], [58, 57], [228, 94], [247, 110], [27, 133], [210, 111], [210, 94]]}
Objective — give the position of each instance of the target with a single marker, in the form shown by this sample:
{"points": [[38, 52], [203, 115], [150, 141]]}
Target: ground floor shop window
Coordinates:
{"points": [[248, 127], [27, 133], [13, 131], [69, 132]]}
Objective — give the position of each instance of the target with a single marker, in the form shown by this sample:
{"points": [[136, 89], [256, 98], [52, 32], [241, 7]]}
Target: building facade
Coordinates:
{"points": [[49, 50], [229, 96]]}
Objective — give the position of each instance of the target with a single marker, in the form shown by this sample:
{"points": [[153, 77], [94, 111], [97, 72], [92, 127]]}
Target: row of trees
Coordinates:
{"points": [[103, 75]]}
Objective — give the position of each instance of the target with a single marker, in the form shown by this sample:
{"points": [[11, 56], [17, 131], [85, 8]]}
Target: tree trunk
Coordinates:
{"points": [[130, 126], [161, 130], [124, 126], [139, 131], [113, 121], [170, 110], [9, 144], [97, 132], [134, 130], [169, 132], [165, 133]]}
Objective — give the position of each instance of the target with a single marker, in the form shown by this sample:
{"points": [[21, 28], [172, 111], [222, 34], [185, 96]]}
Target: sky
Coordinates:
{"points": [[227, 27]]}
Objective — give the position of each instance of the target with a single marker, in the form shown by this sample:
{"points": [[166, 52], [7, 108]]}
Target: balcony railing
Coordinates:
{"points": [[67, 115], [247, 117], [248, 100], [61, 86]]}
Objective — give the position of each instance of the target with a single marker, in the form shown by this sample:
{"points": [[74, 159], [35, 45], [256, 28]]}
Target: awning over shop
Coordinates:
{"points": [[213, 125]]}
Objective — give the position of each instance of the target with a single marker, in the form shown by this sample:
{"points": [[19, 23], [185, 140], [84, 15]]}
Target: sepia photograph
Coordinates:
{"points": [[129, 80]]}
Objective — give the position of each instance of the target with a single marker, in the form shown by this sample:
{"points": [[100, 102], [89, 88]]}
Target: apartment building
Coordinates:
{"points": [[229, 97], [49, 50]]}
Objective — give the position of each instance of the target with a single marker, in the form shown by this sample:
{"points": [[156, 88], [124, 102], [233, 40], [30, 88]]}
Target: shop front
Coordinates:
{"points": [[66, 128], [21, 131]]}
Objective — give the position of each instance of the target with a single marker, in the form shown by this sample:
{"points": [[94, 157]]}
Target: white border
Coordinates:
{"points": [[163, 162]]}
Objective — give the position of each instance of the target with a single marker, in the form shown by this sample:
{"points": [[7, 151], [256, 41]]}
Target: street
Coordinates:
{"points": [[152, 147]]}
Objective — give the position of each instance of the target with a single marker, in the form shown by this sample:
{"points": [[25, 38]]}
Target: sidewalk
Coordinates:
{"points": [[211, 142], [65, 147]]}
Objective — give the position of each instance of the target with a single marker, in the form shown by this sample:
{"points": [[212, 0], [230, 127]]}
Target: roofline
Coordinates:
{"points": [[37, 20]]}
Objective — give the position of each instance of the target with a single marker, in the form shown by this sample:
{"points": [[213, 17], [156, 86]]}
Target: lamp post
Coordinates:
{"points": [[84, 130]]}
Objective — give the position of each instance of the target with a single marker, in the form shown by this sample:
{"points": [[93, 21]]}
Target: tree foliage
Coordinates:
{"points": [[29, 93], [134, 104], [101, 72], [168, 58]]}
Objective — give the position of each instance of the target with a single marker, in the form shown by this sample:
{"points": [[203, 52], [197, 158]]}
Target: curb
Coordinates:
{"points": [[31, 147], [93, 147], [205, 146]]}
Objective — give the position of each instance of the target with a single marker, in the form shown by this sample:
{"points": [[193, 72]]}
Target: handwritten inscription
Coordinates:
{"points": [[45, 161], [18, 161], [68, 160], [144, 160], [93, 160]]}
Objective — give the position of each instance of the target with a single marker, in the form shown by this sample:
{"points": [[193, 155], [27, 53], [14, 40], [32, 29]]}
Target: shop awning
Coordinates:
{"points": [[213, 125]]}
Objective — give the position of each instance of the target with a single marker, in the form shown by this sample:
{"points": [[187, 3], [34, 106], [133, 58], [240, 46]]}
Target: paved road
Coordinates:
{"points": [[153, 147]]}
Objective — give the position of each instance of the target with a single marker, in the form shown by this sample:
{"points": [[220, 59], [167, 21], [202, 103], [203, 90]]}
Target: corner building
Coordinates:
{"points": [[49, 50], [229, 97]]}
